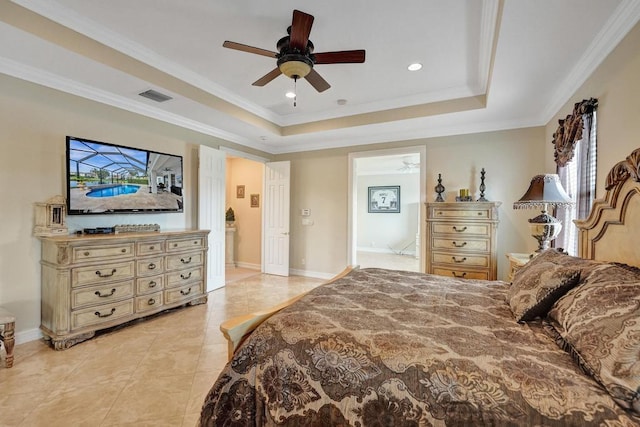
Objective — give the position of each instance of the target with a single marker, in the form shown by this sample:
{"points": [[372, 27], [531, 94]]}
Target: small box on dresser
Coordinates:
{"points": [[94, 282], [461, 239]]}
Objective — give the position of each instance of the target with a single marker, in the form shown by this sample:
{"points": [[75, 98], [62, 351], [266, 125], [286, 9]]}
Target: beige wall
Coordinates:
{"points": [[616, 85], [33, 124], [319, 181], [248, 236]]}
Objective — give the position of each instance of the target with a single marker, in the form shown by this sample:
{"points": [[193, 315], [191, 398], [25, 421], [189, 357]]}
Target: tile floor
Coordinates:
{"points": [[154, 372], [390, 261]]}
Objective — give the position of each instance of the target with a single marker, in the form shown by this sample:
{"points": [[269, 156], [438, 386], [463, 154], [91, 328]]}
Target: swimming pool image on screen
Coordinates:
{"points": [[107, 178]]}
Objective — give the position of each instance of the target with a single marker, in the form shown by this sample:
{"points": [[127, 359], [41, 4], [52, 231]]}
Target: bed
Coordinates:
{"points": [[559, 346]]}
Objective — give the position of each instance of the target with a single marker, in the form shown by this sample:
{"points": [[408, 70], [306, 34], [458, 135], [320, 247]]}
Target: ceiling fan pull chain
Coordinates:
{"points": [[295, 91]]}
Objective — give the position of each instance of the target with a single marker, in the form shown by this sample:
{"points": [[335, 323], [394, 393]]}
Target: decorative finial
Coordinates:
{"points": [[439, 189], [482, 187]]}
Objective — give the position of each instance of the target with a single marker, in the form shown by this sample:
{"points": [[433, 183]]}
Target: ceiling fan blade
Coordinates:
{"points": [[341, 57], [300, 30], [317, 81], [250, 49], [267, 77]]}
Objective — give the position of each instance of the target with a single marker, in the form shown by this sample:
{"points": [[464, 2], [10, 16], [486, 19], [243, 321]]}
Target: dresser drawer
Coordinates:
{"points": [[184, 260], [461, 273], [462, 244], [147, 266], [181, 277], [462, 229], [101, 314], [479, 213], [183, 293], [461, 260], [94, 295], [149, 302], [103, 252], [174, 245], [149, 248], [102, 273], [145, 285]]}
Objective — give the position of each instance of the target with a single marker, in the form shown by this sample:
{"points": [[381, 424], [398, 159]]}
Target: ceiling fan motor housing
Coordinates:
{"points": [[293, 63]]}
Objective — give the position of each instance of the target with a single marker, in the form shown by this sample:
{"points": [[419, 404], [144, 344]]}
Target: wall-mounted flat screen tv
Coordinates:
{"points": [[105, 178]]}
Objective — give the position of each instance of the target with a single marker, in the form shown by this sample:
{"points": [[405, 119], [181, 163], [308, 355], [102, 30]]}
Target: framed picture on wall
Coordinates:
{"points": [[255, 200], [384, 199], [239, 191]]}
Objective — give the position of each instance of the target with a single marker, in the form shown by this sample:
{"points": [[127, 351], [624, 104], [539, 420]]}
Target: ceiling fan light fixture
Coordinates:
{"points": [[295, 69], [414, 67], [290, 95]]}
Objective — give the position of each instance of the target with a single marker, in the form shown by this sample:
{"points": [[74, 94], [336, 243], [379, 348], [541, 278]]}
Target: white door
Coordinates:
{"points": [[276, 218], [211, 208]]}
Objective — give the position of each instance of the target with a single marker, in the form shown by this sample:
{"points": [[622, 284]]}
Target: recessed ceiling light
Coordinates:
{"points": [[290, 95], [414, 67]]}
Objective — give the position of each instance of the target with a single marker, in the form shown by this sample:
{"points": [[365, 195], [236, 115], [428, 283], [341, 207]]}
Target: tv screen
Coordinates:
{"points": [[106, 178]]}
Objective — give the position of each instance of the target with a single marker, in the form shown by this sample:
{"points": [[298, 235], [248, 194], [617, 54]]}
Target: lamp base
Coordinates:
{"points": [[544, 228]]}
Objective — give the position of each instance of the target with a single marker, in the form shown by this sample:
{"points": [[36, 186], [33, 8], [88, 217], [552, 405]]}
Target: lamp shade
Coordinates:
{"points": [[544, 190]]}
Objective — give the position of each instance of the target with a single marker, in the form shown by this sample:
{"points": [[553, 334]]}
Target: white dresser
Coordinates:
{"points": [[93, 282], [461, 239]]}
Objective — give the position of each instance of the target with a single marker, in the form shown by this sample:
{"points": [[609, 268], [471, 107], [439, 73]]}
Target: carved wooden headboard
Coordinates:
{"points": [[612, 230]]}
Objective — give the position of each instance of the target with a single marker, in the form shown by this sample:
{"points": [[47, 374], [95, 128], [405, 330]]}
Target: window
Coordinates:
{"points": [[577, 169]]}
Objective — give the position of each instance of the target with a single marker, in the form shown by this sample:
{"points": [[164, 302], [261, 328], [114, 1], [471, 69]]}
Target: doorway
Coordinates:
{"points": [[243, 237], [389, 237]]}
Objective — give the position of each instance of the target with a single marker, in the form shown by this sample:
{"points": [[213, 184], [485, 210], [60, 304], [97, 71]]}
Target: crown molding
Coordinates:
{"points": [[615, 29], [53, 81], [62, 15]]}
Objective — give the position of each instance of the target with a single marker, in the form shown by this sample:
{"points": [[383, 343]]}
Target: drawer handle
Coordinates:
{"points": [[459, 230], [480, 213], [187, 276], [458, 260], [459, 245], [151, 301], [97, 313], [195, 242], [182, 260], [151, 248], [86, 253], [153, 284], [123, 250], [175, 245], [99, 273], [113, 291], [151, 266], [459, 276], [187, 292]]}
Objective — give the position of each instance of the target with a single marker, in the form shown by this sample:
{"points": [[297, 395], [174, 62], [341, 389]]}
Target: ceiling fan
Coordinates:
{"points": [[295, 57]]}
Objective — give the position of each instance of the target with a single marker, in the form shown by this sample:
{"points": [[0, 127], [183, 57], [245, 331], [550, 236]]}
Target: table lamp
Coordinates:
{"points": [[544, 191]]}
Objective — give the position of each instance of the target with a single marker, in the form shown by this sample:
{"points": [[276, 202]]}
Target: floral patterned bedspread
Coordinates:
{"points": [[392, 348]]}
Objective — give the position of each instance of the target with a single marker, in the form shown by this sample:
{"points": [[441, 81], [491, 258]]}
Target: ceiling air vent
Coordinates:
{"points": [[155, 95]]}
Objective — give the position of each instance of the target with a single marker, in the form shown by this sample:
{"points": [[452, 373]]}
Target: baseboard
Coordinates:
{"points": [[386, 251], [26, 336], [249, 266], [375, 250], [311, 274]]}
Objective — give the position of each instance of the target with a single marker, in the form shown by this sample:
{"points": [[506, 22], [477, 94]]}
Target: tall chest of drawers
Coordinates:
{"points": [[94, 282], [461, 239]]}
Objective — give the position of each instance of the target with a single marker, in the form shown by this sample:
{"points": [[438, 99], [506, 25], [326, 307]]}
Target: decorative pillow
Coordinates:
{"points": [[599, 324], [591, 270], [538, 285]]}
